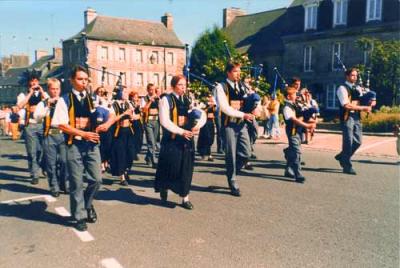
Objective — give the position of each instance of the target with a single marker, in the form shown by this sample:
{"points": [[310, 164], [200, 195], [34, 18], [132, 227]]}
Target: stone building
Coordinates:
{"points": [[144, 51], [13, 61], [302, 39], [49, 64]]}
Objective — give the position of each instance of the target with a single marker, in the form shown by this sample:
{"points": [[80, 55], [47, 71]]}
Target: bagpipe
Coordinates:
{"points": [[366, 95], [307, 111]]}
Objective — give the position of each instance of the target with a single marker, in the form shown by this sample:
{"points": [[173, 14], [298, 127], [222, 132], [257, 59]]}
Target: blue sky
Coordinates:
{"points": [[29, 25]]}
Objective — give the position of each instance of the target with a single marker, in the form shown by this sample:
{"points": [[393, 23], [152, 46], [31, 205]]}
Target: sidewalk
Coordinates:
{"points": [[372, 145]]}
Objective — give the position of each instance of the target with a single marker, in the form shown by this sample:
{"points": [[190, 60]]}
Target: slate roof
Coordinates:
{"points": [[130, 31], [11, 77], [258, 32]]}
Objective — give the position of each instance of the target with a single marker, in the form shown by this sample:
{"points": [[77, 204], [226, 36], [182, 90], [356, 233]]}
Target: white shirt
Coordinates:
{"points": [[342, 94], [165, 120], [21, 97], [288, 113], [40, 111], [60, 116], [223, 101]]}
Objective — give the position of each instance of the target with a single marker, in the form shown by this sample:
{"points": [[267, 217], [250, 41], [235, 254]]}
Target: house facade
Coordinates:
{"points": [[310, 33], [143, 51]]}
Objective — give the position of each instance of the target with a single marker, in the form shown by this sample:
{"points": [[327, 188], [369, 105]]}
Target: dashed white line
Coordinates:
{"points": [[47, 198], [110, 263], [83, 236]]}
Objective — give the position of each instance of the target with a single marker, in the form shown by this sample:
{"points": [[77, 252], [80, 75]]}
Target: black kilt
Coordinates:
{"points": [[206, 138], [175, 166], [122, 152]]}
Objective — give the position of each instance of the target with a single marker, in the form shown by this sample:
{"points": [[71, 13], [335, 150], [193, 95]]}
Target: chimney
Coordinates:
{"points": [[40, 53], [57, 53], [89, 15], [168, 21], [229, 14]]}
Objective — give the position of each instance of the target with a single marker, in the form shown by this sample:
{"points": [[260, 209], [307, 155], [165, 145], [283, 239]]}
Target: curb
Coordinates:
{"points": [[383, 134]]}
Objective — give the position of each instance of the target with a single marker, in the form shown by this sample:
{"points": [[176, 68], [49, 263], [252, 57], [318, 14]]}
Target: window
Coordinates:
{"points": [[139, 56], [340, 12], [156, 79], [337, 53], [331, 98], [367, 53], [374, 10], [169, 78], [121, 54], [170, 58], [307, 58], [104, 53], [310, 17], [154, 57], [139, 79]]}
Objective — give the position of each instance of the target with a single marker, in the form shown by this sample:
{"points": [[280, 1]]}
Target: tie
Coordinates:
{"points": [[82, 100], [236, 89], [181, 99]]}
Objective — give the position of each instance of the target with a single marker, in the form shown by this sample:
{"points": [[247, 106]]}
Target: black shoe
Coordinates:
{"points": [[123, 183], [91, 215], [187, 205], [81, 225], [235, 191], [338, 157], [302, 163], [34, 180], [126, 176], [253, 156], [164, 195], [54, 193], [299, 178], [44, 174], [350, 171], [148, 162], [248, 166], [288, 174]]}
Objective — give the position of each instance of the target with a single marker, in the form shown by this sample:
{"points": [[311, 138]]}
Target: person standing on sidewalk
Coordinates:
{"points": [[350, 108]]}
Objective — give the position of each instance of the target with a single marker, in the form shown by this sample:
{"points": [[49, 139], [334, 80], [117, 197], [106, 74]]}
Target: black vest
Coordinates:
{"points": [[81, 110], [154, 104], [291, 128], [49, 117], [353, 95], [232, 95], [34, 100], [182, 109]]}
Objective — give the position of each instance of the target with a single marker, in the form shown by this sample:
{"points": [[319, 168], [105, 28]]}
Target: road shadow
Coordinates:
{"points": [[14, 156], [214, 189], [323, 170], [20, 188], [33, 211], [12, 177], [377, 162], [127, 195], [13, 168]]}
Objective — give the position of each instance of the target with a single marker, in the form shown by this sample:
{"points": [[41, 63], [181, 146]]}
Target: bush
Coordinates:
{"points": [[380, 121], [390, 110]]}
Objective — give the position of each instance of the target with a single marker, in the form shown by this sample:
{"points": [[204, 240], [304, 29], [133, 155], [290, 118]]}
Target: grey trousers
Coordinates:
{"points": [[220, 133], [55, 153], [237, 149], [83, 156], [351, 139], [293, 152], [33, 145], [152, 129]]}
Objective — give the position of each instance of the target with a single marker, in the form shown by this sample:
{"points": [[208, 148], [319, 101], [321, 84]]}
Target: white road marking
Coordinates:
{"points": [[62, 211], [47, 198], [84, 236], [110, 263], [363, 148]]}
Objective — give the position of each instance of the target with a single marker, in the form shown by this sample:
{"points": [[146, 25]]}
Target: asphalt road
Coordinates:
{"points": [[333, 220]]}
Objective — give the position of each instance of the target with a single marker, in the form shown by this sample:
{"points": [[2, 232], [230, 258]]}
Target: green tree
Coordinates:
{"points": [[209, 50], [384, 65]]}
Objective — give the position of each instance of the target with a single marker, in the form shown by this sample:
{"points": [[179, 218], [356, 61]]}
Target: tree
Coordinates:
{"points": [[384, 64], [209, 57]]}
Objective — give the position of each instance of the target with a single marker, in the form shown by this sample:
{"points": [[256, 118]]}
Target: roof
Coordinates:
{"points": [[11, 77], [259, 31], [297, 3], [129, 30]]}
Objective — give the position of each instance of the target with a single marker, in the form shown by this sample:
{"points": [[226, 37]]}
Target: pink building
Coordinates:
{"points": [[145, 51]]}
